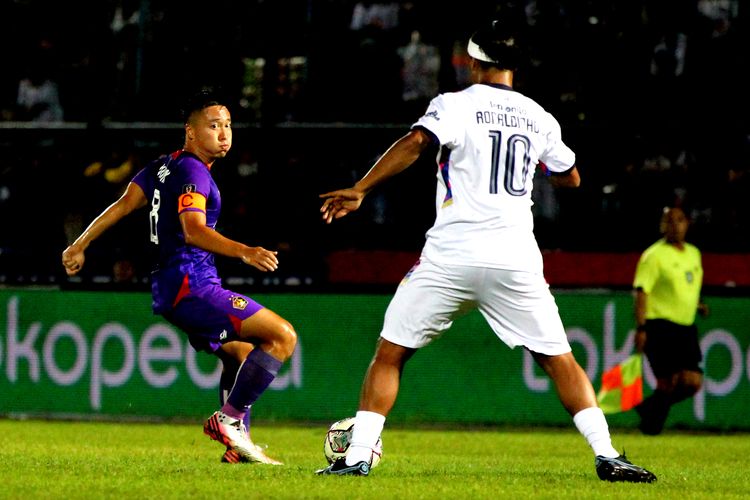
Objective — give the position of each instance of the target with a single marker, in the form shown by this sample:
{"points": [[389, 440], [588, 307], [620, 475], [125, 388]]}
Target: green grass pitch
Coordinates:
{"points": [[61, 459]]}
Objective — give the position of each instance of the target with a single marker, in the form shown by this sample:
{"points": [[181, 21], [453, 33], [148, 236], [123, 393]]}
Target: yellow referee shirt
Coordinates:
{"points": [[672, 278]]}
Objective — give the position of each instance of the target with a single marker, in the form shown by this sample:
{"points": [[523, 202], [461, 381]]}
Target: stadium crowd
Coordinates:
{"points": [[648, 94]]}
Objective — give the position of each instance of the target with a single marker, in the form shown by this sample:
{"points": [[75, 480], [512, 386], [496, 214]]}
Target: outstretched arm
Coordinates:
{"points": [[73, 257], [198, 234], [398, 158]]}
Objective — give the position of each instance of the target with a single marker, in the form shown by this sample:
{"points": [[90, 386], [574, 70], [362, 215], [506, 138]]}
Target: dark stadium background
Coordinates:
{"points": [[649, 95]]}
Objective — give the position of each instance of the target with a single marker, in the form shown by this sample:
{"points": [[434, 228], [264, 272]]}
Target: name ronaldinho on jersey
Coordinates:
{"points": [[507, 120]]}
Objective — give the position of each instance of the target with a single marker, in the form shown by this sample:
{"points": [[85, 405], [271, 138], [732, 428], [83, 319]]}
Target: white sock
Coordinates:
{"points": [[367, 428], [593, 426]]}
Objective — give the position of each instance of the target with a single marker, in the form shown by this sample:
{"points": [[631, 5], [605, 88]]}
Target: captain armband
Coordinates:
{"points": [[191, 200]]}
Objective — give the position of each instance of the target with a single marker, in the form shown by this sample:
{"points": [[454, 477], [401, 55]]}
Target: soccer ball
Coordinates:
{"points": [[339, 437]]}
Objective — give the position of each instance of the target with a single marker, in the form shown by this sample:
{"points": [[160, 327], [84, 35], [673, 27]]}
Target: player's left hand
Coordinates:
{"points": [[260, 258]]}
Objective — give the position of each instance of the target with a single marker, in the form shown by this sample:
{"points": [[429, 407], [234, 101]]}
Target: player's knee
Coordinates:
{"points": [[687, 384], [683, 392], [285, 339], [391, 354], [691, 386], [694, 388]]}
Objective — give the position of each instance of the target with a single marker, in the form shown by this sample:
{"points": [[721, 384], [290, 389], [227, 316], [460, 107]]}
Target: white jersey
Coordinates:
{"points": [[492, 139]]}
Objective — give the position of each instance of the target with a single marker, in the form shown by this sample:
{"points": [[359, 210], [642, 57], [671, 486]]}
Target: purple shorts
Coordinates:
{"points": [[211, 316]]}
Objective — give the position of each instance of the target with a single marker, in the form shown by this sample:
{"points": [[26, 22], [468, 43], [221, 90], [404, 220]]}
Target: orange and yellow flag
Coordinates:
{"points": [[622, 385]]}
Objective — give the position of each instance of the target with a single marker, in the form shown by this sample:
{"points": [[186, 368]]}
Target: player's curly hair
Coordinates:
{"points": [[205, 97], [498, 41]]}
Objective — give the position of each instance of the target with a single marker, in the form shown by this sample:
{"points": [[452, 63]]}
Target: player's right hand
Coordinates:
{"points": [[340, 202], [72, 260]]}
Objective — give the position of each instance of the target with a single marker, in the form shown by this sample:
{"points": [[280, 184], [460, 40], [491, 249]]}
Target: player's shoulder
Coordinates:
{"points": [[537, 109], [448, 99], [182, 157], [654, 250], [693, 249], [187, 164], [155, 163]]}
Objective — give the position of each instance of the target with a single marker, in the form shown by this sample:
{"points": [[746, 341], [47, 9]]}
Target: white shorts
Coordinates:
{"points": [[517, 305]]}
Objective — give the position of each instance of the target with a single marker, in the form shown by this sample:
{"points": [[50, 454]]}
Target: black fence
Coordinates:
{"points": [[55, 179]]}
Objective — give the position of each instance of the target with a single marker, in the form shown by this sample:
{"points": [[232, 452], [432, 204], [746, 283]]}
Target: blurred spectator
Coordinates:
{"points": [[123, 272], [38, 97], [421, 65], [38, 100], [126, 36], [461, 62], [375, 15], [721, 13], [627, 79], [374, 63]]}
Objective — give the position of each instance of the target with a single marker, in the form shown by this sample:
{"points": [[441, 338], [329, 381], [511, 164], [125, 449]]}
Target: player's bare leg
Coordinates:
{"points": [[379, 392], [687, 383], [381, 384], [654, 410], [378, 395], [579, 399], [573, 386]]}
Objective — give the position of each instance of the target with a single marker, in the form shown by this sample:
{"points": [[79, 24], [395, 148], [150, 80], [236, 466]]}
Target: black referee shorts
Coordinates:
{"points": [[672, 348]]}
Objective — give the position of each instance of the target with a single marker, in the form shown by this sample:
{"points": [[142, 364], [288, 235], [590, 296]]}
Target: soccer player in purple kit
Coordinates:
{"points": [[183, 208]]}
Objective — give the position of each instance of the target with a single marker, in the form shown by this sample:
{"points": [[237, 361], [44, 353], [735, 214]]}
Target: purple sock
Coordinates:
{"points": [[253, 377], [246, 420], [228, 374], [230, 410]]}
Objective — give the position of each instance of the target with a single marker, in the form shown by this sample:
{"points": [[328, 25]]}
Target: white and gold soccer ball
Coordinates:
{"points": [[339, 437]]}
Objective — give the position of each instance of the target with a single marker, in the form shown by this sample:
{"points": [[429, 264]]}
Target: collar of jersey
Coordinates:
{"points": [[499, 86]]}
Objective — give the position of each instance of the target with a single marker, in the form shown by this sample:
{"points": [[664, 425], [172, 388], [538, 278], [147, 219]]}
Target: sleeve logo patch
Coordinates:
{"points": [[238, 302], [188, 188]]}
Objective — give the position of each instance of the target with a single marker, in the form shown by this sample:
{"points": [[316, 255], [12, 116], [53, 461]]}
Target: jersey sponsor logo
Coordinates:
{"points": [[238, 302], [163, 173], [191, 200], [432, 114], [223, 335]]}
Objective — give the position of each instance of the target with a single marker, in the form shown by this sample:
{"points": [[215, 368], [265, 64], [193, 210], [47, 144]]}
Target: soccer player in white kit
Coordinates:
{"points": [[481, 251]]}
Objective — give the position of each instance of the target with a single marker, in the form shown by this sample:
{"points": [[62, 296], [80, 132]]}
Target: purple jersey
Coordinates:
{"points": [[185, 284], [175, 183]]}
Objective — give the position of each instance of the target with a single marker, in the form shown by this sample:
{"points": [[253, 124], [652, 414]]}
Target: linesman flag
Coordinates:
{"points": [[622, 385]]}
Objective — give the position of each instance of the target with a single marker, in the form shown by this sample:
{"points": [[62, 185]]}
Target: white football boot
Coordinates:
{"points": [[231, 433]]}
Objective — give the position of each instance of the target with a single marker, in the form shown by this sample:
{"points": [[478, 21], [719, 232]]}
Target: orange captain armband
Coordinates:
{"points": [[191, 200]]}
